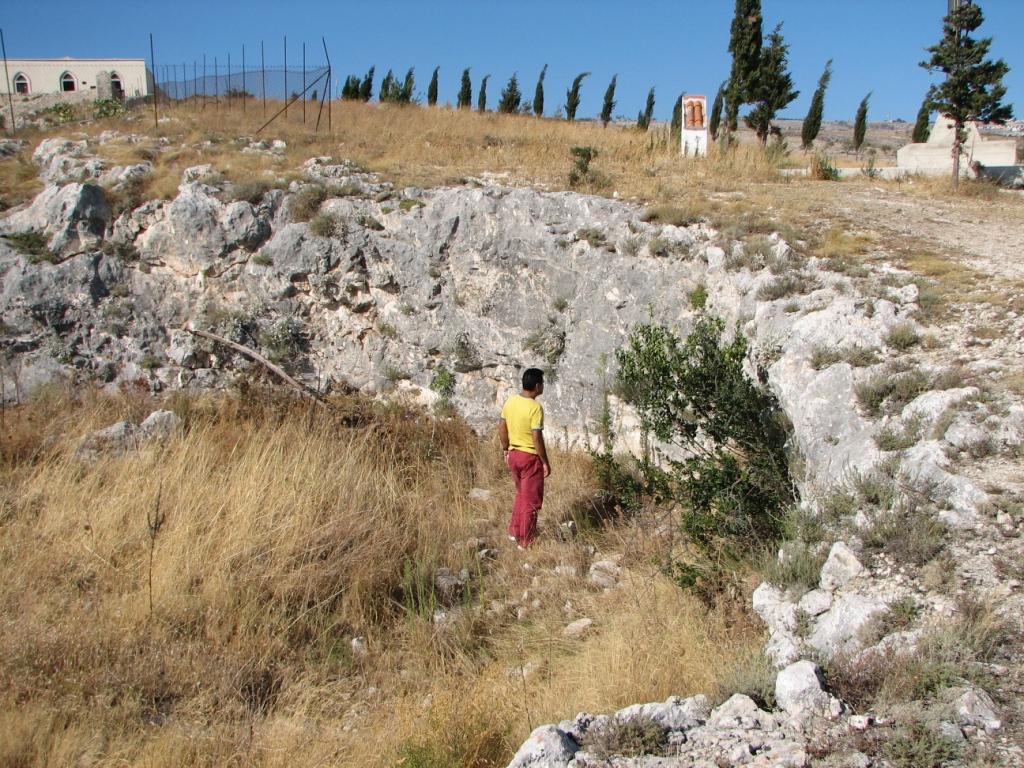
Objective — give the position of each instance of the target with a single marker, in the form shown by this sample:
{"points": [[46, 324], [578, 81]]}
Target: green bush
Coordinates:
{"points": [[693, 393], [699, 297], [63, 112], [108, 108], [443, 384], [822, 168], [33, 245]]}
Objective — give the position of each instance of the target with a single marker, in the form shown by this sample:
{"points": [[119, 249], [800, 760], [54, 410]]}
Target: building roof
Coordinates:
{"points": [[69, 58]]}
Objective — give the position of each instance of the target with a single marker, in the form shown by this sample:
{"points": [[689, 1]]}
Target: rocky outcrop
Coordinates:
{"points": [[390, 292]]}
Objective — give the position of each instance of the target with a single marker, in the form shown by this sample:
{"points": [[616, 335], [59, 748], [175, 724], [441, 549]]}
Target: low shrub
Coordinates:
{"points": [[754, 676], [108, 108], [822, 168], [33, 245], [903, 336], [593, 236], [630, 737], [910, 534], [699, 297], [307, 201], [669, 214], [251, 191], [663, 247], [787, 285], [891, 389], [324, 225]]}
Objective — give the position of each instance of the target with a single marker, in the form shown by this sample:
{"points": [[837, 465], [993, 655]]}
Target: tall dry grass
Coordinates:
{"points": [[285, 533]]}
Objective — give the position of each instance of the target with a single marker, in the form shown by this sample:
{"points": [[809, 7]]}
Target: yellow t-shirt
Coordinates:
{"points": [[522, 415]]}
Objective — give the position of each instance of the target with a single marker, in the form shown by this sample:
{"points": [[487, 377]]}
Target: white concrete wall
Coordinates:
{"points": [[936, 157], [44, 74]]}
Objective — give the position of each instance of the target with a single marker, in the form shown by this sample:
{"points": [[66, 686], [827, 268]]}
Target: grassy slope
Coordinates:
{"points": [[286, 533]]}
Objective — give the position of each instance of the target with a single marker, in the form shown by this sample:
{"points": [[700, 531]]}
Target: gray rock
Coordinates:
{"points": [[838, 629], [159, 425], [975, 707], [547, 747], [578, 629], [74, 218], [841, 567], [675, 714], [799, 691], [604, 574], [479, 494], [815, 602], [450, 586]]}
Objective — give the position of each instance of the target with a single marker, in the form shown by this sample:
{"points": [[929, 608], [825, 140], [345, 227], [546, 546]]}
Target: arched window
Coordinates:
{"points": [[21, 84], [68, 83], [115, 85]]}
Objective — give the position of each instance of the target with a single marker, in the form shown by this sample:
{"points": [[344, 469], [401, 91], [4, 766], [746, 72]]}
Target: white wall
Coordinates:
{"points": [[44, 74]]}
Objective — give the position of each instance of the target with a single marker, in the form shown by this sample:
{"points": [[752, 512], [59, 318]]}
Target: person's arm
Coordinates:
{"points": [[503, 436], [542, 452]]}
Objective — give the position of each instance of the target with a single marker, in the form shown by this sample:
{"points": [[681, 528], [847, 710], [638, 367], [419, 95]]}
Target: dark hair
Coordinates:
{"points": [[531, 378]]}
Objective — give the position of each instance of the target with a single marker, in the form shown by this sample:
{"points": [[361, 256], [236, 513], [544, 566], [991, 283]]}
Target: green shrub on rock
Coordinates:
{"points": [[693, 394]]}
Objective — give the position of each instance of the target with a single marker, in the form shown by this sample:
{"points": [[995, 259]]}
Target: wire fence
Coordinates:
{"points": [[184, 82]]}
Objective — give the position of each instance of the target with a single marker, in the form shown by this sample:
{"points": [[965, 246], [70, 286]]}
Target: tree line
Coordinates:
{"points": [[511, 101]]}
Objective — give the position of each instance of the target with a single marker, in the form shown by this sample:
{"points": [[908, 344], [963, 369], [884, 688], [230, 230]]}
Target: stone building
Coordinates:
{"points": [[104, 78]]}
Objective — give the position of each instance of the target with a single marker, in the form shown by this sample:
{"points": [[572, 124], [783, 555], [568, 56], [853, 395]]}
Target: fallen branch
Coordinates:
{"points": [[254, 355]]}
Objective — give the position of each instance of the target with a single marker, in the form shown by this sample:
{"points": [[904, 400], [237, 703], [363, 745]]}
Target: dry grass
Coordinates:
{"points": [[286, 533]]}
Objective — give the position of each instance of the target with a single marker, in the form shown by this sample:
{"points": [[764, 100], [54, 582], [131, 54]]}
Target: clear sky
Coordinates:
{"points": [[674, 45]]}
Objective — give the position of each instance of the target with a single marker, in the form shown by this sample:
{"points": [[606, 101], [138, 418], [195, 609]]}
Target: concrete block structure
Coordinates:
{"points": [[695, 125], [935, 157], [105, 78]]}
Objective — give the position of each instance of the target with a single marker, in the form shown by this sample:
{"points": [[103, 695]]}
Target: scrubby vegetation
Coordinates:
{"points": [[284, 534]]}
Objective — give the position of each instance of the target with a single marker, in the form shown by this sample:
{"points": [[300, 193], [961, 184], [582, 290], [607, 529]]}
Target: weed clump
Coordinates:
{"points": [[626, 737], [903, 336], [33, 245]]}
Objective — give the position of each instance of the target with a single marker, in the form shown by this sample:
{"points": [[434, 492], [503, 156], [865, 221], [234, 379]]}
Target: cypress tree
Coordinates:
{"points": [[404, 95], [481, 99], [973, 88], [609, 101], [465, 90], [716, 112], [812, 123], [745, 47], [771, 89], [677, 120], [432, 89], [538, 94], [643, 118], [922, 128], [350, 91], [511, 98], [860, 124], [387, 87], [572, 96], [366, 87]]}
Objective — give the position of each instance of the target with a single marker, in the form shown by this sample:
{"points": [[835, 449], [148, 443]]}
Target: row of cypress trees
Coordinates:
{"points": [[392, 90]]}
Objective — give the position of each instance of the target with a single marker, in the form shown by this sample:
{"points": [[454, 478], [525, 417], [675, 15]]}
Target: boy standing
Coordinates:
{"points": [[522, 441]]}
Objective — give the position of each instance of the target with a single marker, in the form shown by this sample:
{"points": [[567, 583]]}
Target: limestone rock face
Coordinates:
{"points": [[841, 567], [73, 217], [798, 691], [547, 747]]}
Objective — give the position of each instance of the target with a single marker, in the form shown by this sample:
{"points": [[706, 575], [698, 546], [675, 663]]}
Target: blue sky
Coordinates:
{"points": [[674, 45]]}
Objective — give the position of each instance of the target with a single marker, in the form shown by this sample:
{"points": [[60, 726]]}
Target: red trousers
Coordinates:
{"points": [[528, 472]]}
